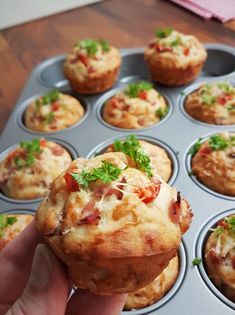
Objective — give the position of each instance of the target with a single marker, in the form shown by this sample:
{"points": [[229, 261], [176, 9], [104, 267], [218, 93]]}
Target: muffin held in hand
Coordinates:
{"points": [[220, 257], [213, 103], [213, 163], [52, 112], [11, 225], [154, 291], [115, 226], [138, 106], [141, 150], [174, 58], [27, 171], [92, 66]]}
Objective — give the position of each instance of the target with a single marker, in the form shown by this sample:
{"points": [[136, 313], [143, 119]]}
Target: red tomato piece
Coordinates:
{"points": [[143, 95], [55, 106], [71, 184], [83, 59], [90, 213], [186, 51], [223, 224], [43, 142], [205, 150], [149, 193]]}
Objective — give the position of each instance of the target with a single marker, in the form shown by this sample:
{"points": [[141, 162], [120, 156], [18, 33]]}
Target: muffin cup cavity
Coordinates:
{"points": [[219, 62], [50, 72], [100, 149], [130, 70], [170, 294], [188, 167], [19, 211], [202, 237], [68, 147], [22, 108], [182, 99], [101, 102]]}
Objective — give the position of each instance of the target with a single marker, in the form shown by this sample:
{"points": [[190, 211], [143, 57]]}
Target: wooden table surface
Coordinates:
{"points": [[123, 23]]}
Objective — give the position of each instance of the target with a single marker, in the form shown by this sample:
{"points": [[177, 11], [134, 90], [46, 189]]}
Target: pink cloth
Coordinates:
{"points": [[224, 10]]}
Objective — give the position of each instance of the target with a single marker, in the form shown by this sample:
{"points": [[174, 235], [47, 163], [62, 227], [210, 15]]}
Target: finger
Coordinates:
{"points": [[83, 302], [47, 289], [15, 265]]}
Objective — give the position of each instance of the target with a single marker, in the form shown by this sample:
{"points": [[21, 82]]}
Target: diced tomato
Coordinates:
{"points": [[71, 184], [143, 95], [205, 150], [152, 45], [175, 210], [221, 100], [43, 142], [55, 106], [83, 59], [223, 224], [186, 51], [57, 150], [161, 48], [90, 213], [149, 193]]}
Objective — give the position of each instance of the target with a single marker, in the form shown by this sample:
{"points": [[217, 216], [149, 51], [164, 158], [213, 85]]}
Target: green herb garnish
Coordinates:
{"points": [[226, 87], [195, 148], [182, 93], [190, 173], [162, 112], [218, 231], [196, 261], [48, 98], [133, 89], [91, 46], [176, 42], [32, 148], [208, 100], [106, 173], [231, 223], [231, 107], [5, 221], [163, 32], [217, 142], [49, 118], [206, 88], [132, 148]]}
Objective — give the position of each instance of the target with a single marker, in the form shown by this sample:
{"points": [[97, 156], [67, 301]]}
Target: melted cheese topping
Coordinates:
{"points": [[134, 113], [213, 103], [61, 114], [176, 50]]}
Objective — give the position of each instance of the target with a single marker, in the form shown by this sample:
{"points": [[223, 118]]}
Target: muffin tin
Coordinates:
{"points": [[193, 292]]}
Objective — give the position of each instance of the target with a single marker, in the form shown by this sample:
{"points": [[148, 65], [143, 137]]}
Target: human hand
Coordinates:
{"points": [[44, 289]]}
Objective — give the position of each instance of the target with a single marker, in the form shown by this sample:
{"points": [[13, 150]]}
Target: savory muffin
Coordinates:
{"points": [[137, 107], [27, 171], [174, 58], [213, 163], [52, 112], [154, 291], [92, 66], [155, 155], [11, 225], [213, 103], [220, 257], [116, 227]]}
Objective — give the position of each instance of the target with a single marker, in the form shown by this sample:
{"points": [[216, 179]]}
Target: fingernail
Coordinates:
{"points": [[41, 268]]}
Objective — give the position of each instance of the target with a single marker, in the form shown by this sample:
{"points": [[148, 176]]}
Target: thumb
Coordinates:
{"points": [[47, 289]]}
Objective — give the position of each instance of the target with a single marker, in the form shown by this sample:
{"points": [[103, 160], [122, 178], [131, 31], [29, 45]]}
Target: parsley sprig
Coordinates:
{"points": [[91, 46], [195, 148], [48, 98], [196, 261], [132, 148], [31, 148], [5, 221], [163, 32], [133, 89], [162, 112], [105, 173], [226, 87], [230, 221]]}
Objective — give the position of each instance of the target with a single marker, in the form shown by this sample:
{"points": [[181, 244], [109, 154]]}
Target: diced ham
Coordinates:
{"points": [[215, 260], [205, 150], [71, 184], [223, 224], [83, 59], [90, 214], [175, 210], [57, 150]]}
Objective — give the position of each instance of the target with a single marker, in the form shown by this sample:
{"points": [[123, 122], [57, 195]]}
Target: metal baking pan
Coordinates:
{"points": [[193, 292]]}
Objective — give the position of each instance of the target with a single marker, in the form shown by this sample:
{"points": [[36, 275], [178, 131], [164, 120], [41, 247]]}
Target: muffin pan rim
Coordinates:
{"points": [[199, 252]]}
